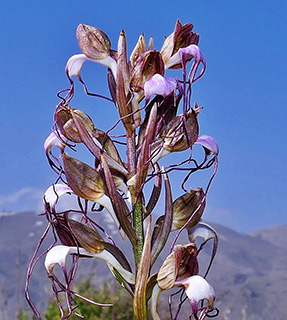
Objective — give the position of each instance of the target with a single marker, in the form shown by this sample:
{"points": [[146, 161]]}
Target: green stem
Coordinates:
{"points": [[137, 213], [138, 225]]}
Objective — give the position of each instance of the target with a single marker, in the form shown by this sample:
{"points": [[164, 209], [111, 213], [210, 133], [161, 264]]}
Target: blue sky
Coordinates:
{"points": [[243, 92]]}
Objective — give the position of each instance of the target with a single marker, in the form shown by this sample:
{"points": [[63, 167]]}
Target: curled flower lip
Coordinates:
{"points": [[208, 143], [185, 55], [59, 254], [75, 63], [54, 192], [55, 139], [190, 52]]}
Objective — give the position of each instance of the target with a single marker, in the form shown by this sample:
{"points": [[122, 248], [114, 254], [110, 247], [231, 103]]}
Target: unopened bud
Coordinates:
{"points": [[83, 179], [188, 206], [94, 43], [181, 134], [87, 237], [66, 124], [180, 264]]}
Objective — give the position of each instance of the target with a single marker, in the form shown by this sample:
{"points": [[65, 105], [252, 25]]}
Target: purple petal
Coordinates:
{"points": [[158, 85], [192, 51], [208, 143]]}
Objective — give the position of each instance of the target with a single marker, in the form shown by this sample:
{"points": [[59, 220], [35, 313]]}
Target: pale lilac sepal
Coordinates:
{"points": [[208, 143]]}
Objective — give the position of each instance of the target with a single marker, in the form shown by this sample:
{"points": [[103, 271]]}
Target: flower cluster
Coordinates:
{"points": [[158, 119]]}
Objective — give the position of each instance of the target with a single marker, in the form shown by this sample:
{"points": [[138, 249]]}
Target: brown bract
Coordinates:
{"points": [[180, 264], [181, 37]]}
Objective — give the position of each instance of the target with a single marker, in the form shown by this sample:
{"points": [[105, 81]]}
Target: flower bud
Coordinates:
{"points": [[87, 237], [83, 179], [66, 124], [94, 43], [64, 233], [139, 50], [181, 134], [187, 205], [180, 264]]}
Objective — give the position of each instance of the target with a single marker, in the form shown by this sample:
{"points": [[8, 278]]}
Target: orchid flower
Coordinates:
{"points": [[55, 139], [95, 46], [59, 254], [53, 193], [208, 143], [198, 289], [158, 85], [183, 55]]}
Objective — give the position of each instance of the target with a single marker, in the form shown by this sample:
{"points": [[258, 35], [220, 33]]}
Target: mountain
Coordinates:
{"points": [[248, 274]]}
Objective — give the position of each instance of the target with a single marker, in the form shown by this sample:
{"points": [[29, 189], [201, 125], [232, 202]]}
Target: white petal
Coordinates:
{"points": [[110, 259], [74, 65], [202, 230], [55, 139], [54, 192], [58, 255], [197, 289], [110, 63], [105, 201]]}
